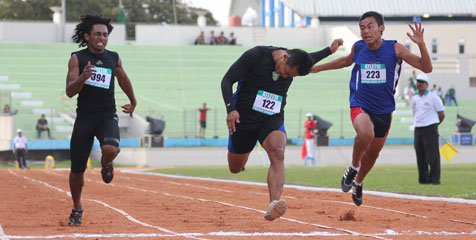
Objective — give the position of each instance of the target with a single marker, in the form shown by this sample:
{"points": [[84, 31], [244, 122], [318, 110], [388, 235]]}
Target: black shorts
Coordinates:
{"points": [[203, 124], [245, 137], [103, 126], [381, 122]]}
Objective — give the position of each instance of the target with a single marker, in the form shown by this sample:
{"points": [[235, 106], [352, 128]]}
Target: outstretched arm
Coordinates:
{"points": [[126, 86], [335, 64], [424, 62], [319, 55]]}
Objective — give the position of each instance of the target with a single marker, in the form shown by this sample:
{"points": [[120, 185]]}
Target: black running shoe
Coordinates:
{"points": [[107, 173], [75, 218], [357, 193], [348, 178]]}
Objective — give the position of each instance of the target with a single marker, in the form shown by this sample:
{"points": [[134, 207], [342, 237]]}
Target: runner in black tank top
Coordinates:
{"points": [[91, 75], [256, 109]]}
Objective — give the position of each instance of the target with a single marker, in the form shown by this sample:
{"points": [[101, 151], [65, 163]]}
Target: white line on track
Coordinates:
{"points": [[125, 214], [315, 189], [244, 207], [387, 232], [2, 234], [381, 194]]}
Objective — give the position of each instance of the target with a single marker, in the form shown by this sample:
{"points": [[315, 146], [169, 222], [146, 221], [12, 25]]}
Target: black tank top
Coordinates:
{"points": [[97, 94]]}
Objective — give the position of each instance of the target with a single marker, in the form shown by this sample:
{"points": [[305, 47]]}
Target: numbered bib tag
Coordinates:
{"points": [[267, 103], [101, 78], [373, 73]]}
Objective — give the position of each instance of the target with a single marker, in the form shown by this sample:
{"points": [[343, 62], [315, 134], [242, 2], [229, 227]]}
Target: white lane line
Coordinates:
{"points": [[382, 194], [388, 233], [290, 197], [2, 234], [125, 214], [315, 189], [247, 208]]}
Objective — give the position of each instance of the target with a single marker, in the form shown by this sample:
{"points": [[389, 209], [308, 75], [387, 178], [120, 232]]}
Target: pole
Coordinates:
{"points": [[63, 20]]}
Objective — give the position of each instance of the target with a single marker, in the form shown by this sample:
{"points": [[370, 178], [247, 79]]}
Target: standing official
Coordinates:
{"points": [[20, 149], [429, 113]]}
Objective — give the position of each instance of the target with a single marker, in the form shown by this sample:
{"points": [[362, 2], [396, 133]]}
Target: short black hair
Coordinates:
{"points": [[86, 23], [300, 59], [378, 17]]}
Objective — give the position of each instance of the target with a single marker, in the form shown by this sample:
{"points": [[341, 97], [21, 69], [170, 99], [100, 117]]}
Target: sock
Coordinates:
{"points": [[358, 184], [355, 168]]}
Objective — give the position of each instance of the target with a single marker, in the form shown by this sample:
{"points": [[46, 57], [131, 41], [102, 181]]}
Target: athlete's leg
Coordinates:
{"points": [[109, 153], [365, 134], [274, 144], [76, 183], [237, 161], [370, 157]]}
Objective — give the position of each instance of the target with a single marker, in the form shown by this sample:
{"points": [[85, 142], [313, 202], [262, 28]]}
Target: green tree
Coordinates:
{"points": [[135, 11], [38, 10]]}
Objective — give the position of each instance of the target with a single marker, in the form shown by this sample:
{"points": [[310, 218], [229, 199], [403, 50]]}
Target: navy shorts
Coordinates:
{"points": [[245, 137], [103, 126]]}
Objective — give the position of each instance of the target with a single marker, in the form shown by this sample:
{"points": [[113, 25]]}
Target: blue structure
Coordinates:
{"points": [[280, 10]]}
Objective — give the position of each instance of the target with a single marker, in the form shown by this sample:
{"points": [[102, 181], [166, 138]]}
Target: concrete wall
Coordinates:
{"points": [[247, 36], [48, 32]]}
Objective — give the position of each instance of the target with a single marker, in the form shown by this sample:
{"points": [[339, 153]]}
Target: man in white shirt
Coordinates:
{"points": [[20, 148], [429, 113]]}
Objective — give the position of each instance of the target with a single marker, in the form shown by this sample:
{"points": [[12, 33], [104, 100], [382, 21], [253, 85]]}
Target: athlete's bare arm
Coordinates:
{"points": [[335, 64], [424, 62], [126, 87], [74, 81]]}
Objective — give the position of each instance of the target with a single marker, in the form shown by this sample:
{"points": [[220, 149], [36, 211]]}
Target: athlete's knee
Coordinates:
{"points": [[110, 152], [365, 137], [236, 162], [371, 154], [76, 179]]}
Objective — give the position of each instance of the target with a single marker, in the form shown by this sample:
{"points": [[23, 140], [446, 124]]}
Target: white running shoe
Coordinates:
{"points": [[276, 209]]}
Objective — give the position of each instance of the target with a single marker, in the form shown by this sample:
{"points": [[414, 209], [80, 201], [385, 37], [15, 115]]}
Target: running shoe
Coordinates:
{"points": [[357, 193], [348, 178], [276, 209], [107, 173], [75, 218]]}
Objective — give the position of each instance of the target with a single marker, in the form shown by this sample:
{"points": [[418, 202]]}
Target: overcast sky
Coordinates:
{"points": [[219, 8]]}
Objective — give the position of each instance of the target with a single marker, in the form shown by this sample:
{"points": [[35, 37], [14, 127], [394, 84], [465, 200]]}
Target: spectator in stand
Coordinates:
{"points": [[232, 39], [42, 125], [213, 39], [451, 95], [200, 39], [222, 40]]}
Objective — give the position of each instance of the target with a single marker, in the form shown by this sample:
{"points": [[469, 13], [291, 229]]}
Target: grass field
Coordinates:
{"points": [[456, 180], [172, 82]]}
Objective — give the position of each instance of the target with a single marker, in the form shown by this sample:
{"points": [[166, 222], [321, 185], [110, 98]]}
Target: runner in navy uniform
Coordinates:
{"points": [[91, 74], [256, 110], [372, 87]]}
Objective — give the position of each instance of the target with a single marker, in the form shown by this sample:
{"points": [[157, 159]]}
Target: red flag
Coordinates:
{"points": [[303, 149]]}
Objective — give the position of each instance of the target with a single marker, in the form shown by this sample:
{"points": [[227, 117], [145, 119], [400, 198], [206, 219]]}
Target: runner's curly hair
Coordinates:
{"points": [[86, 23]]}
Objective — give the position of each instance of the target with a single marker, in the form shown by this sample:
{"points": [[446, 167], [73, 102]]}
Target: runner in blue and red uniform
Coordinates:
{"points": [[373, 82], [256, 110]]}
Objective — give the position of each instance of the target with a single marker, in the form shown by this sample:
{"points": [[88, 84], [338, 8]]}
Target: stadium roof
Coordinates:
{"points": [[389, 8]]}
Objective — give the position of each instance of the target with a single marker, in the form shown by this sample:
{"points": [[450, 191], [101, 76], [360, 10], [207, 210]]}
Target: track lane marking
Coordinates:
{"points": [[122, 212]]}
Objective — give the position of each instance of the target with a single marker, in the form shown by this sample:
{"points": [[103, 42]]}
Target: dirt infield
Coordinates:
{"points": [[35, 204]]}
